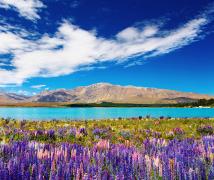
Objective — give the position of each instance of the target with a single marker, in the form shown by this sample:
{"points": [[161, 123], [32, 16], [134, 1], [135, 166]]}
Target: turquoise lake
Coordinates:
{"points": [[101, 113]]}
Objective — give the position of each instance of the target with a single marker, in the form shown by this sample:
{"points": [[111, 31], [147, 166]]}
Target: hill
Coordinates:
{"points": [[105, 92], [11, 98]]}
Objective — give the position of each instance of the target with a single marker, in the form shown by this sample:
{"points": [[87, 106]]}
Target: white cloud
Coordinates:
{"points": [[73, 48], [135, 34], [38, 86], [11, 42], [26, 8], [22, 92]]}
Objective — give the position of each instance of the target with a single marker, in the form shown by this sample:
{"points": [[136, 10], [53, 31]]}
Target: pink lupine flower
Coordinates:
{"points": [[103, 145]]}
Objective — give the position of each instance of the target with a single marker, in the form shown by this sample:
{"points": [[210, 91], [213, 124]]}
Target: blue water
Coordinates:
{"points": [[101, 113]]}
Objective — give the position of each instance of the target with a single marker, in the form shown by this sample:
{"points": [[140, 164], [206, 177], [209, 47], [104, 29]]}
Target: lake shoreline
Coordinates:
{"points": [[94, 105], [84, 113], [64, 105]]}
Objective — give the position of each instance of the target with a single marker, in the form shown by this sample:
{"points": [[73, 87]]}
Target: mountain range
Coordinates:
{"points": [[12, 97], [105, 92]]}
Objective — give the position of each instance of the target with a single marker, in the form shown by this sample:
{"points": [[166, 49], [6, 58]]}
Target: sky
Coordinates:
{"points": [[51, 44]]}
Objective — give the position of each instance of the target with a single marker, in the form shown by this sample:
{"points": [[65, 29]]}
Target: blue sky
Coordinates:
{"points": [[50, 44]]}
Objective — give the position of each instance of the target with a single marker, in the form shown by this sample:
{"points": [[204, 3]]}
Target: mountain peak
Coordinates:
{"points": [[100, 84]]}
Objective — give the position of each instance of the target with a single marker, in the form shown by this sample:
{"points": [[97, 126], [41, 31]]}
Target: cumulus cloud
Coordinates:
{"points": [[26, 8], [72, 48]]}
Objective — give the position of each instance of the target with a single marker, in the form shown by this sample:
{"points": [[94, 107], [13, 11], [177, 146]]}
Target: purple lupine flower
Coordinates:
{"points": [[51, 134], [155, 159], [205, 130], [39, 133], [61, 132], [83, 131], [99, 132], [156, 134], [72, 132]]}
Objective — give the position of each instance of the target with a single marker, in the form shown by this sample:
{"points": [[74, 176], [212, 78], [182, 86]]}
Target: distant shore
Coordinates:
{"points": [[90, 105]]}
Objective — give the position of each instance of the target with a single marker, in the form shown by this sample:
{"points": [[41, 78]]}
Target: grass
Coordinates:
{"points": [[132, 131]]}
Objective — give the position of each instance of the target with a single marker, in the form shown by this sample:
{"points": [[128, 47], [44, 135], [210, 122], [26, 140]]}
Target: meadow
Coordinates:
{"points": [[135, 148]]}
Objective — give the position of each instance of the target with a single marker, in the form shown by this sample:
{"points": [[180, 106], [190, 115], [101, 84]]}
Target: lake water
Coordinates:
{"points": [[101, 113]]}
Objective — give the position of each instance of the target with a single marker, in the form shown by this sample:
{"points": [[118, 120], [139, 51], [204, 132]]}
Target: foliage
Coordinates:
{"points": [[200, 102], [135, 148], [115, 130]]}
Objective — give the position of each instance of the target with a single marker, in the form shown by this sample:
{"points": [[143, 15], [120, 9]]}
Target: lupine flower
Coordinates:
{"points": [[72, 132], [103, 144], [61, 132], [205, 130], [177, 159], [156, 134], [97, 131], [156, 158], [83, 131], [51, 134], [178, 131], [39, 133]]}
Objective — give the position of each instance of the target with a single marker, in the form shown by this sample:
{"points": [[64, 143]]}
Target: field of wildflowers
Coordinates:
{"points": [[136, 148]]}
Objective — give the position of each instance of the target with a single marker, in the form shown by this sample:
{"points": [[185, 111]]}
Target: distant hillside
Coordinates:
{"points": [[11, 98], [105, 92]]}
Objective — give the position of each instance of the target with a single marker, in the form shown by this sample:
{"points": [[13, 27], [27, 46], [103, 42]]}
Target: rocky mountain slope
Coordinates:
{"points": [[11, 98], [105, 92]]}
